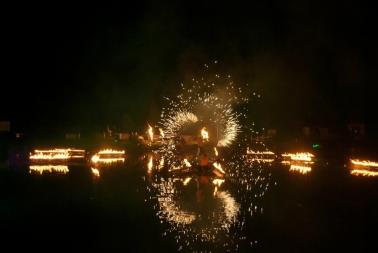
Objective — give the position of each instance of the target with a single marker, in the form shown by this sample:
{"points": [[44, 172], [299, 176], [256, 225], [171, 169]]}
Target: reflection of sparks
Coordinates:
{"points": [[251, 152], [231, 207], [95, 172], [49, 168], [205, 134], [299, 168]]}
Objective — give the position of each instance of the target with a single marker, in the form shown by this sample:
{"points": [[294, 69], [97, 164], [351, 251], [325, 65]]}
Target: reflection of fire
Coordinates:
{"points": [[95, 172], [205, 134], [303, 157], [299, 168], [49, 168], [363, 172]]}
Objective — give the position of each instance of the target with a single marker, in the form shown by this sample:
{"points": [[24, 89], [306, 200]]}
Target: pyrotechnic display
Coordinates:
{"points": [[199, 197], [210, 109]]}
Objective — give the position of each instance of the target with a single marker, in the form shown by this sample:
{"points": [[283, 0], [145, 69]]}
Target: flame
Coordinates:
{"points": [[95, 158], [56, 154], [216, 151], [109, 156], [150, 164], [303, 156], [187, 180], [205, 134], [150, 132], [364, 163], [187, 164], [219, 167], [161, 132]]}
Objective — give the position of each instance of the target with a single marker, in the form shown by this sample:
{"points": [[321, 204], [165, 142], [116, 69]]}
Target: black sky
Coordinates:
{"points": [[80, 67]]}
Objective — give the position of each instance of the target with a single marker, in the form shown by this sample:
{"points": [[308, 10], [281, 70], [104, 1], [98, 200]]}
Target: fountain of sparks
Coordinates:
{"points": [[224, 221], [211, 107]]}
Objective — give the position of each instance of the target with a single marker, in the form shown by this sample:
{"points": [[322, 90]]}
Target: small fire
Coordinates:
{"points": [[161, 132], [56, 154], [187, 180], [219, 167], [150, 164], [364, 163], [187, 164], [150, 133], [216, 151], [95, 158], [205, 134], [109, 156]]}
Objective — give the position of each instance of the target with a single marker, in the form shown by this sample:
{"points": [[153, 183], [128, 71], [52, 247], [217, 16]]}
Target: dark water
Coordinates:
{"points": [[131, 207]]}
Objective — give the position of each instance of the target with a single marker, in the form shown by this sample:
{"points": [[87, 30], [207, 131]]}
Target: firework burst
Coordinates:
{"points": [[214, 103]]}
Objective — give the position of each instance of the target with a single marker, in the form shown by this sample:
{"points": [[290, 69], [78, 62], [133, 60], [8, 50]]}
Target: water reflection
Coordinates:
{"points": [[222, 218], [40, 169], [303, 169]]}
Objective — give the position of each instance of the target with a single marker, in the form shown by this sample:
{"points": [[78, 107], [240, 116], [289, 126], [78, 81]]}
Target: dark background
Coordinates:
{"points": [[77, 68]]}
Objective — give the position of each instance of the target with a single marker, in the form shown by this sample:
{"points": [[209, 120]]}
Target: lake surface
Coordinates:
{"points": [[134, 207]]}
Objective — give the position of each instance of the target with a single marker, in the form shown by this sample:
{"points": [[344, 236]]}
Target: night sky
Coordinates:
{"points": [[75, 68]]}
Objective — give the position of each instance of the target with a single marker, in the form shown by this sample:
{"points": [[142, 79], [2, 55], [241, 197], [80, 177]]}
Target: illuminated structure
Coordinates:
{"points": [[364, 168], [57, 155], [108, 156]]}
